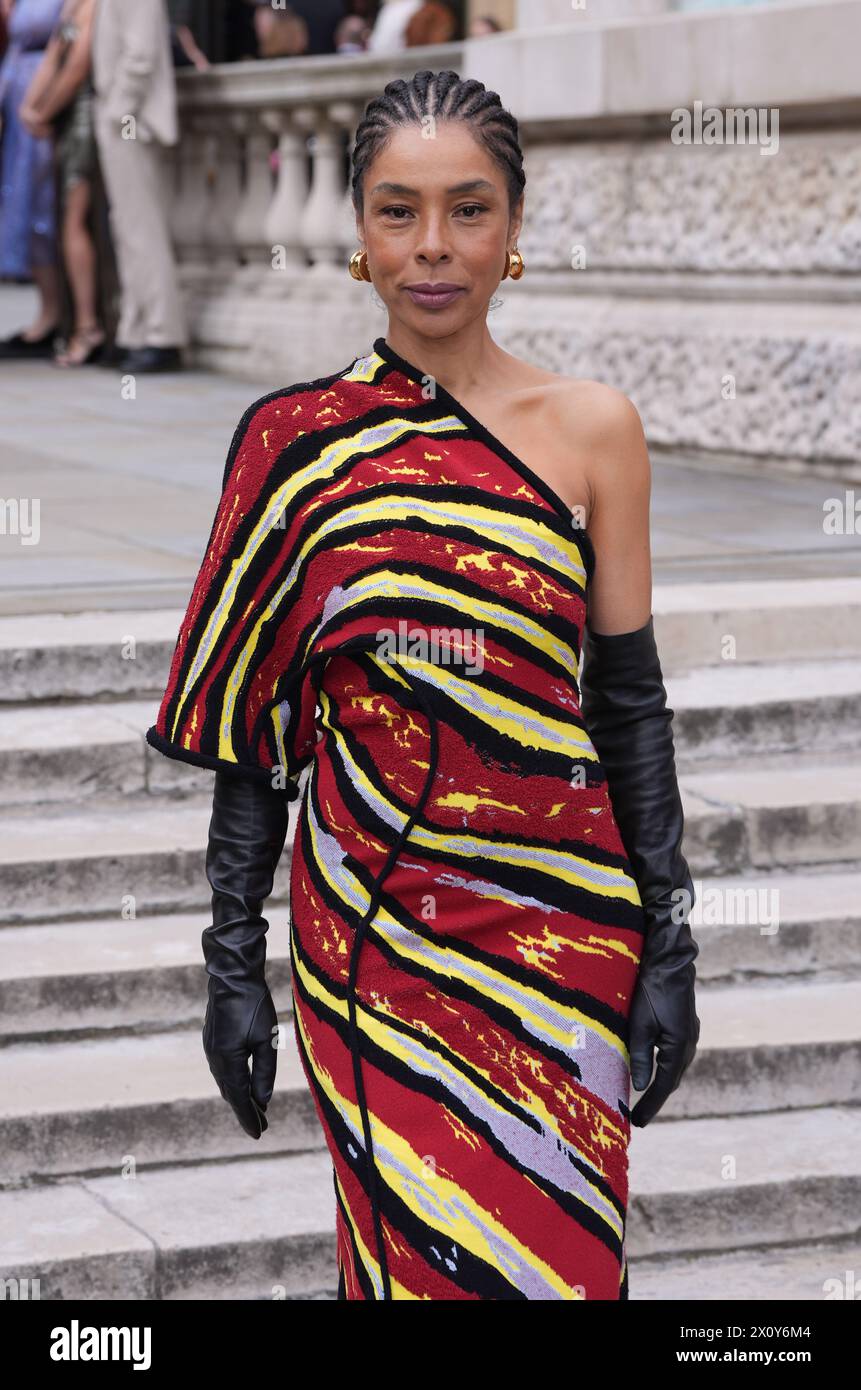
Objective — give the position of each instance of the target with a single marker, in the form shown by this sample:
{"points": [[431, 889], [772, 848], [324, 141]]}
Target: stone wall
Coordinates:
{"points": [[717, 284]]}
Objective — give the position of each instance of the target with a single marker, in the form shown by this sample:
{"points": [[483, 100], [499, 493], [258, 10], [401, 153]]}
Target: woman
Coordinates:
{"points": [[28, 245], [480, 936], [60, 98]]}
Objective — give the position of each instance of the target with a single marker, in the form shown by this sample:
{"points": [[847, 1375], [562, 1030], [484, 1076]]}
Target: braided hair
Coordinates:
{"points": [[440, 96]]}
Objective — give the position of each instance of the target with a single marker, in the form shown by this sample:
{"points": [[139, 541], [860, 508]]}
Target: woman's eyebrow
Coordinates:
{"points": [[468, 186]]}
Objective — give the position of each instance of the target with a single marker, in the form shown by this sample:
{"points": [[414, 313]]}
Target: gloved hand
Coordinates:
{"points": [[623, 703], [247, 831]]}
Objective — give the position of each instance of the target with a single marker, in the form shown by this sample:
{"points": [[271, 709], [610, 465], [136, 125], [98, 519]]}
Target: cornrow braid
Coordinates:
{"points": [[443, 96]]}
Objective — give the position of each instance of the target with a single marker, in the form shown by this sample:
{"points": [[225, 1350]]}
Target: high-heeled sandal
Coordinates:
{"points": [[93, 353]]}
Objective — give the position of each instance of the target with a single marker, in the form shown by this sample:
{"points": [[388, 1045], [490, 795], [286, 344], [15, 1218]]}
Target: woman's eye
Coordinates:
{"points": [[395, 208]]}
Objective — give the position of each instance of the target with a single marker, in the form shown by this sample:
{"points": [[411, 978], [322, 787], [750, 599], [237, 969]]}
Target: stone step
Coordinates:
{"points": [[763, 618], [72, 750], [776, 925], [83, 1106], [257, 1228], [113, 857], [264, 1227], [78, 1106], [799, 706], [781, 810], [126, 654], [59, 860], [131, 975], [84, 656], [805, 1273], [732, 1182], [146, 973], [772, 1047], [68, 752]]}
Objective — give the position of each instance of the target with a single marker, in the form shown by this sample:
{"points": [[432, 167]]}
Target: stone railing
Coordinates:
{"points": [[263, 161], [716, 282]]}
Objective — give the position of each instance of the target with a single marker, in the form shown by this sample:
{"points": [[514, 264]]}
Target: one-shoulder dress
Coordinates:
{"points": [[392, 599]]}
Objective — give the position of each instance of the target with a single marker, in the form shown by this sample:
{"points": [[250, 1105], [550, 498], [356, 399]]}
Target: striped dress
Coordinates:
{"points": [[391, 597]]}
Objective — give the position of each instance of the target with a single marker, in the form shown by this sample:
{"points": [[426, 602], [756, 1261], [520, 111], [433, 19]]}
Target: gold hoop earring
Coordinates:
{"points": [[514, 265], [358, 266]]}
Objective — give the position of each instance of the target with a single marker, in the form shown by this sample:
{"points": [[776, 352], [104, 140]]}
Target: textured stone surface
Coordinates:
{"points": [[652, 204]]}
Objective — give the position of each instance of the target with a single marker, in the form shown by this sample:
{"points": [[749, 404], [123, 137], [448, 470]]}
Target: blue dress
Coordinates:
{"points": [[27, 190]]}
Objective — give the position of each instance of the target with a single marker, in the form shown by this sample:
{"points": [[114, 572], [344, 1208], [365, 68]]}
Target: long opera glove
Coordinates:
{"points": [[247, 831], [624, 707]]}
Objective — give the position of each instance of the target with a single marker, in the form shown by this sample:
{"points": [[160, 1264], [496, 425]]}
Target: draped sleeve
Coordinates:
{"points": [[238, 697]]}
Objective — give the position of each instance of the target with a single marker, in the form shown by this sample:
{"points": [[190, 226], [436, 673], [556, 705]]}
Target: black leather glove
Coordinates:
{"points": [[247, 831], [624, 706]]}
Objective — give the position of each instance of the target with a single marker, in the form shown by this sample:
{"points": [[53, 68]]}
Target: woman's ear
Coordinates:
{"points": [[517, 216]]}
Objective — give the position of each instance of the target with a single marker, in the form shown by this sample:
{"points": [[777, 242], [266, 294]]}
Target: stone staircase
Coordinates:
{"points": [[124, 1175]]}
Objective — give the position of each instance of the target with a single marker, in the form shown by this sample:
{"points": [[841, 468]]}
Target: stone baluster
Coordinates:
{"points": [[190, 193], [249, 227], [321, 232], [283, 222], [346, 115], [225, 153]]}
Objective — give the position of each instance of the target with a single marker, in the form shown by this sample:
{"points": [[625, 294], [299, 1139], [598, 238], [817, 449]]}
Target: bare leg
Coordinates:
{"points": [[79, 255], [47, 281]]}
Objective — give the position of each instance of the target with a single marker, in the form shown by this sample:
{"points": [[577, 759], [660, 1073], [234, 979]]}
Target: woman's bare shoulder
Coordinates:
{"points": [[595, 408], [592, 407], [604, 439], [601, 423]]}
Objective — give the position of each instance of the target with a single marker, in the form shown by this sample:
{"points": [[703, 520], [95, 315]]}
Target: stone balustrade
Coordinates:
{"points": [[712, 272]]}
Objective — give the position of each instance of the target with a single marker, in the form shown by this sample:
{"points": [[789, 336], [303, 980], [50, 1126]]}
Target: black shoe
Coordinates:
{"points": [[19, 346], [112, 356], [151, 359]]}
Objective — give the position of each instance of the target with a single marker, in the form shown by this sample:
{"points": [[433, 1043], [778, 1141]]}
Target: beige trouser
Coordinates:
{"points": [[135, 174]]}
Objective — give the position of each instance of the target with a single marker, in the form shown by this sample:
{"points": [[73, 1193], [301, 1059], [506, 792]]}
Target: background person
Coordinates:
{"points": [[185, 49], [352, 34], [389, 32], [134, 78], [281, 33], [435, 22], [28, 241], [322, 18], [60, 99]]}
